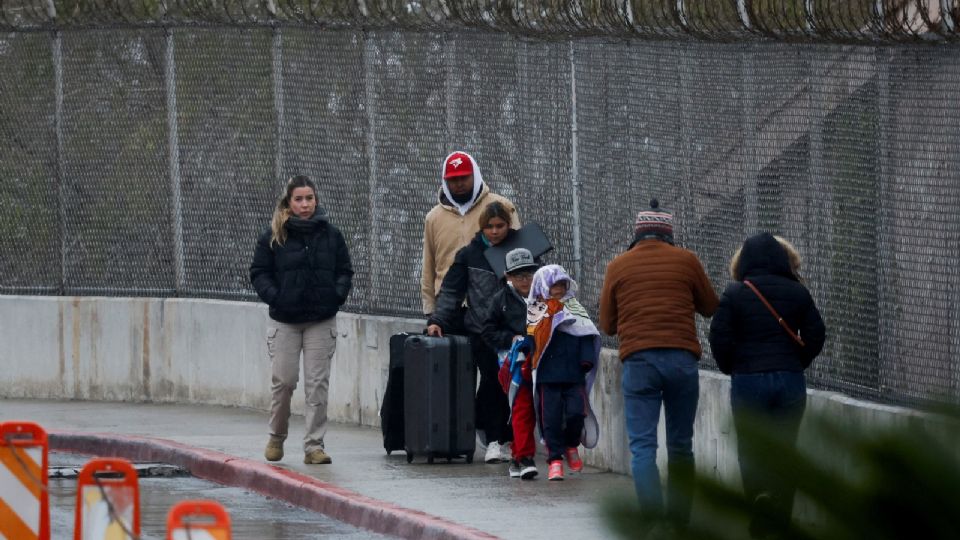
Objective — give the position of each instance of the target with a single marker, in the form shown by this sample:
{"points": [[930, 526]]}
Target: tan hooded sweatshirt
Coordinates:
{"points": [[449, 227]]}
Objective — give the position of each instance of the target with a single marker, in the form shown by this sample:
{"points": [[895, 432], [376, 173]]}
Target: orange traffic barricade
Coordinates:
{"points": [[198, 520], [24, 500], [108, 501]]}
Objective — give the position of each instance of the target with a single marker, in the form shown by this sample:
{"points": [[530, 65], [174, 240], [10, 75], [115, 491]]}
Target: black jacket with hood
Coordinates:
{"points": [[507, 318], [307, 278], [744, 336], [471, 277]]}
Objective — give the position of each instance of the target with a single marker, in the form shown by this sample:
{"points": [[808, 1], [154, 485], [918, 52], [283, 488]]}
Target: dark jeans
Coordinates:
{"points": [[562, 408], [777, 400], [651, 378], [492, 405]]}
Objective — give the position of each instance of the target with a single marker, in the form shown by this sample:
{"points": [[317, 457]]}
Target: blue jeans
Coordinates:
{"points": [[650, 378], [777, 400]]}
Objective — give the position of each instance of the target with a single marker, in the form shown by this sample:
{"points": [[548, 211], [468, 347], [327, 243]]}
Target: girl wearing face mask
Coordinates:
{"points": [[301, 269], [471, 279]]}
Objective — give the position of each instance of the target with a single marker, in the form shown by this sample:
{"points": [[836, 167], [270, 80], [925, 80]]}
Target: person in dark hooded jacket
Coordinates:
{"points": [[766, 359], [301, 269], [506, 323], [472, 279]]}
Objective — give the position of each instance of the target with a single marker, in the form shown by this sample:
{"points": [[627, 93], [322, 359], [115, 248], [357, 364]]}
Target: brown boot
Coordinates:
{"points": [[317, 457], [274, 451]]}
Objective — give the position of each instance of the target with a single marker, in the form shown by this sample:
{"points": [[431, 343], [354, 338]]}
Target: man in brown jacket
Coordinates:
{"points": [[452, 223], [650, 295]]}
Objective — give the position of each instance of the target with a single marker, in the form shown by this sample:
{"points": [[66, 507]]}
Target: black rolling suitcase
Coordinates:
{"points": [[439, 382], [391, 409]]}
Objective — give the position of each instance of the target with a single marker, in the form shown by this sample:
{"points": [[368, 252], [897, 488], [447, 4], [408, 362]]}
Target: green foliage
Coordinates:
{"points": [[896, 482]]}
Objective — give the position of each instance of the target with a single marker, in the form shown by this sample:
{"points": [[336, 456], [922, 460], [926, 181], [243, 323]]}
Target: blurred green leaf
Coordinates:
{"points": [[893, 482]]}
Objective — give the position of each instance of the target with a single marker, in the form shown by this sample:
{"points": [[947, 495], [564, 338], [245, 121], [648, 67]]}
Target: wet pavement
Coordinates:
{"points": [[477, 495], [252, 515]]}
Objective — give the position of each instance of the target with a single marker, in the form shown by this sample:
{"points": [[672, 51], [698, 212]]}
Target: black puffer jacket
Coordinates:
{"points": [[307, 278], [744, 336], [507, 318], [470, 277]]}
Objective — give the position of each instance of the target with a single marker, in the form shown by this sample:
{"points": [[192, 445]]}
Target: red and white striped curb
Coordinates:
{"points": [[292, 487]]}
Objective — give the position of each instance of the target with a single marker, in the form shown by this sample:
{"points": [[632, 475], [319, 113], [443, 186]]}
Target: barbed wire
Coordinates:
{"points": [[856, 21]]}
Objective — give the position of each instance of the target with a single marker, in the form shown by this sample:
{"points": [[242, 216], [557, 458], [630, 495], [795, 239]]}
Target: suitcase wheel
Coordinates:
{"points": [[469, 458], [389, 452], [409, 457], [430, 459], [449, 459]]}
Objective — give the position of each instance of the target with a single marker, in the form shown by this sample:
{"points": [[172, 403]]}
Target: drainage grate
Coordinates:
{"points": [[144, 470]]}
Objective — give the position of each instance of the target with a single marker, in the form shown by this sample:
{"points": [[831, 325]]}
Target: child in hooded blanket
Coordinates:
{"points": [[564, 358]]}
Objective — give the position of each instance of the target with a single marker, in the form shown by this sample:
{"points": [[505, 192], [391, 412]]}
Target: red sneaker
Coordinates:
{"points": [[556, 470], [573, 460]]}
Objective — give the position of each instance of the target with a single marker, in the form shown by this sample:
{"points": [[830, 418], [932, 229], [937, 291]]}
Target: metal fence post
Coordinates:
{"points": [[685, 103], [277, 50], [371, 114], [449, 53], [57, 53], [574, 167], [886, 188], [173, 144], [818, 254], [753, 166]]}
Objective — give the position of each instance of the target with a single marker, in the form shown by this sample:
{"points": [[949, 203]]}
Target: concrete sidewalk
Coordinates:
{"points": [[477, 496]]}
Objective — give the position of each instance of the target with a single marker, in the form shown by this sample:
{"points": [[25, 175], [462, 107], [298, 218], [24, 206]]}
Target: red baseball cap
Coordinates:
{"points": [[458, 164]]}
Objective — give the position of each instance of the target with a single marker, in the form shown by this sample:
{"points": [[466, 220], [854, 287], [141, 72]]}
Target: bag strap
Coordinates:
{"points": [[776, 315]]}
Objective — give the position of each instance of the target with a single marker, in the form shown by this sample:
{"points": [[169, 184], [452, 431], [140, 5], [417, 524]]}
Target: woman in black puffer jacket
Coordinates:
{"points": [[765, 362], [472, 279], [301, 269]]}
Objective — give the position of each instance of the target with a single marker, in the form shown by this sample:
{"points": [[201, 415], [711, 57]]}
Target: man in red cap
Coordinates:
{"points": [[452, 222]]}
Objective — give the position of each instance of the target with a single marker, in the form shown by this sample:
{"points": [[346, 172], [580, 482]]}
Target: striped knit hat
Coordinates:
{"points": [[655, 222]]}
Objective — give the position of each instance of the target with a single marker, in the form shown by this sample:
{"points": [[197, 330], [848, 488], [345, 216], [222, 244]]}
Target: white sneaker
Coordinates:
{"points": [[493, 452], [506, 452]]}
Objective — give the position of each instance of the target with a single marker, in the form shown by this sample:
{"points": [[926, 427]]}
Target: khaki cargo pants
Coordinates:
{"points": [[317, 342]]}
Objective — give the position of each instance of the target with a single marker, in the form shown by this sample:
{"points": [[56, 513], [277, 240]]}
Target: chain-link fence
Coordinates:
{"points": [[144, 159]]}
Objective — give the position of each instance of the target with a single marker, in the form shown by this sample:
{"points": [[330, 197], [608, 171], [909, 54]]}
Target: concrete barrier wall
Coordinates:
{"points": [[214, 352]]}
